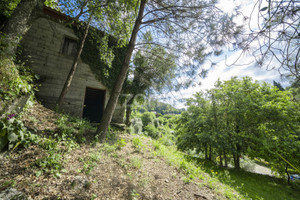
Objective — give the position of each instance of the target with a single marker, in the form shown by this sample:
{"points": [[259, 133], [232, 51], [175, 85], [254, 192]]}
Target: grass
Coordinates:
{"points": [[251, 185], [90, 162], [233, 184]]}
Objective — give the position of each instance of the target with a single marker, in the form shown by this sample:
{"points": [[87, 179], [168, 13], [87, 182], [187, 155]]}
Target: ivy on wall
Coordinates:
{"points": [[102, 53]]}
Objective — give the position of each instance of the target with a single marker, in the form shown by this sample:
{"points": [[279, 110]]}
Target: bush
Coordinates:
{"points": [[151, 131], [15, 80], [13, 132], [156, 123], [137, 126], [148, 118]]}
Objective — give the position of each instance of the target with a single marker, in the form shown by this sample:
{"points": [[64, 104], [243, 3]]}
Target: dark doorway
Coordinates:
{"points": [[93, 104]]}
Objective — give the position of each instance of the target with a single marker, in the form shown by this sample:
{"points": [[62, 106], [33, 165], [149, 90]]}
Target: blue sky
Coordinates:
{"points": [[223, 68]]}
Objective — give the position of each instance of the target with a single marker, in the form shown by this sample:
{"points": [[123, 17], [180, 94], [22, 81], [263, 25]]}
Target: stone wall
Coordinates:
{"points": [[42, 45]]}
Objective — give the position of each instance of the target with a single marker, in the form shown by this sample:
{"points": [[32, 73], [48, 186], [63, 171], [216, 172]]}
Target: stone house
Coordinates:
{"points": [[49, 47]]}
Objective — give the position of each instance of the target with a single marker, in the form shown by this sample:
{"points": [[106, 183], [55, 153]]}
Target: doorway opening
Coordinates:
{"points": [[94, 101]]}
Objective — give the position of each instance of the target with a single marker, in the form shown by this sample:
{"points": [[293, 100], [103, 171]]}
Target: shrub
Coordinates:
{"points": [[137, 125], [137, 143], [156, 123], [148, 118], [15, 80], [13, 132], [151, 131]]}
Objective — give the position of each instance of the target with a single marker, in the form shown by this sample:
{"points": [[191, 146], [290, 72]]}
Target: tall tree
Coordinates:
{"points": [[154, 70], [101, 11], [273, 37], [17, 25], [111, 105], [242, 117], [189, 29], [74, 65]]}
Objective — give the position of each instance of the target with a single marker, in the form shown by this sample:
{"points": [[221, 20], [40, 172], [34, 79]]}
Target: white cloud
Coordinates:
{"points": [[237, 64]]}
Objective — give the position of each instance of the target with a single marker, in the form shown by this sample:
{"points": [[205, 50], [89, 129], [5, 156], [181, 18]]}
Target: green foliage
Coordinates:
{"points": [[108, 148], [15, 80], [120, 144], [90, 162], [137, 125], [242, 117], [148, 118], [137, 143], [151, 131], [72, 128], [94, 54], [136, 163], [6, 8], [13, 132], [51, 163], [7, 184]]}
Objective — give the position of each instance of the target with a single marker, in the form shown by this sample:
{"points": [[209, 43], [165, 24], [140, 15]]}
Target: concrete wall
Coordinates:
{"points": [[43, 46]]}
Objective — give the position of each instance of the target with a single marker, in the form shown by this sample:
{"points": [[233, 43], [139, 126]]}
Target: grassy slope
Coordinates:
{"points": [[134, 167]]}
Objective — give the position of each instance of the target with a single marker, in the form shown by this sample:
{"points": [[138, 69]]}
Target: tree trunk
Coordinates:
{"points": [[225, 159], [206, 153], [221, 159], [210, 153], [18, 24], [74, 67], [236, 159], [128, 111], [287, 173], [111, 105]]}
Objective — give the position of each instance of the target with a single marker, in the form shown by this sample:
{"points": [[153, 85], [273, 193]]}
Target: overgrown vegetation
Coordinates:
{"points": [[243, 118]]}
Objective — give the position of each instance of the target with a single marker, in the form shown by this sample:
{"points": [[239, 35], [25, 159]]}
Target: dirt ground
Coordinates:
{"points": [[120, 174]]}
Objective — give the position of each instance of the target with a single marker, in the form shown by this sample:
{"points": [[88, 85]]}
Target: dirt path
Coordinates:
{"points": [[119, 174], [95, 172]]}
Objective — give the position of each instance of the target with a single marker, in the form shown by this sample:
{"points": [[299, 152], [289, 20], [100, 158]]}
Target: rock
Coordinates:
{"points": [[79, 183], [13, 194]]}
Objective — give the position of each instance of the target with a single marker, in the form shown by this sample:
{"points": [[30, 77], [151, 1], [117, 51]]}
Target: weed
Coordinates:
{"points": [[121, 143], [134, 195], [6, 184], [51, 163], [137, 144], [109, 148], [90, 162], [154, 153], [136, 163], [13, 132], [93, 196], [186, 180]]}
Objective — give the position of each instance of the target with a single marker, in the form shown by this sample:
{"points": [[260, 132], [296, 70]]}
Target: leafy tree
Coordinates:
{"points": [[101, 12], [17, 25], [148, 118], [278, 85], [6, 9], [189, 29], [242, 117], [154, 69]]}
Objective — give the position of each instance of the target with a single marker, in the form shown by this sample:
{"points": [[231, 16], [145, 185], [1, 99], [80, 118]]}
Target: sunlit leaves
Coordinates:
{"points": [[245, 118]]}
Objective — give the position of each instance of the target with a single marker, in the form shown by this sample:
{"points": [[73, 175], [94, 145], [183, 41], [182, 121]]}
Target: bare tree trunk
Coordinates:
{"points": [[74, 67], [18, 24], [221, 159], [210, 153], [111, 105], [287, 173], [225, 159], [206, 152], [128, 111], [236, 159]]}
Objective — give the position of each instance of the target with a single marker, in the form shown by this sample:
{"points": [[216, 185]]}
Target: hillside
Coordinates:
{"points": [[63, 160], [121, 171]]}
